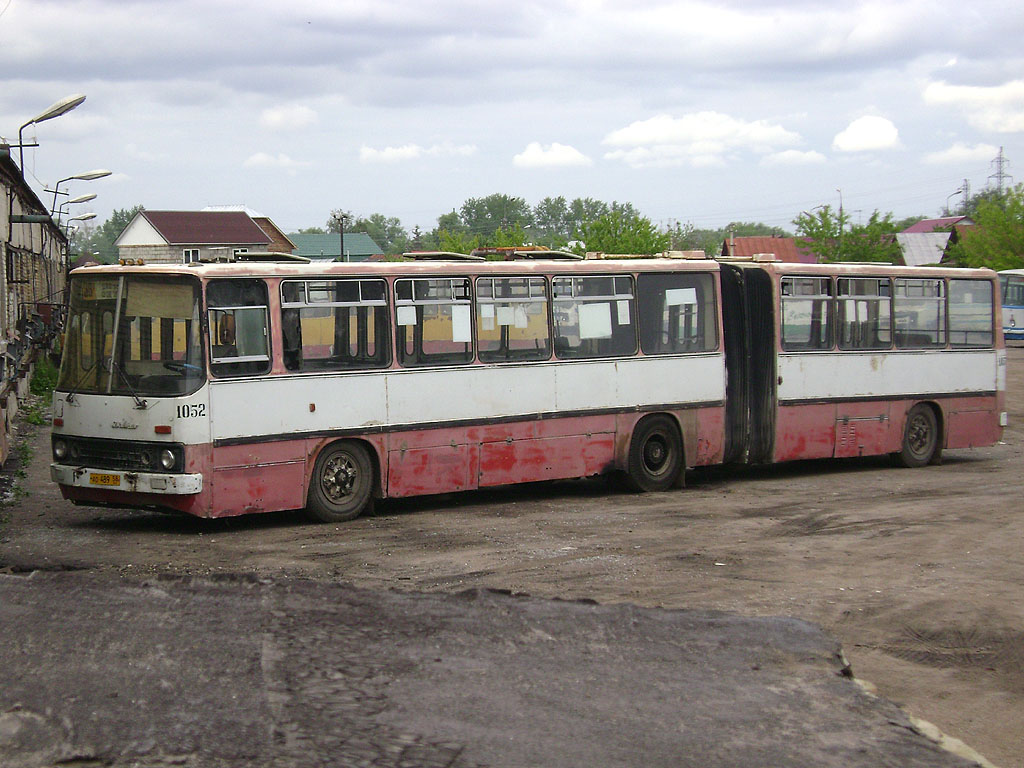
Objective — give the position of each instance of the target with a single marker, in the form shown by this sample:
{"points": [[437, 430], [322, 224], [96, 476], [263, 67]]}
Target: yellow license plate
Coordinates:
{"points": [[97, 479]]}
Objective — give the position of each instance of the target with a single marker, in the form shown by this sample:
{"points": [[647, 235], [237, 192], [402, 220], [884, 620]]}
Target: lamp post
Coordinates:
{"points": [[54, 110], [99, 173], [67, 234], [73, 201], [959, 191]]}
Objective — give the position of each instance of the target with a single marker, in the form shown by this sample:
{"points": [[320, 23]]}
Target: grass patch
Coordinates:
{"points": [[44, 378]]}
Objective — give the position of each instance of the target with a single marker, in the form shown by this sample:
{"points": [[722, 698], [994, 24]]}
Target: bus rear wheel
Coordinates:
{"points": [[920, 437], [341, 486], [655, 455]]}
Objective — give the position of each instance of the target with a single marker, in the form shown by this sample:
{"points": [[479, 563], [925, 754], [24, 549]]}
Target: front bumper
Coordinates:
{"points": [[123, 480]]}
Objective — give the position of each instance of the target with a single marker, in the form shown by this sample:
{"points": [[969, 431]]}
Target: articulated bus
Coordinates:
{"points": [[1011, 281], [231, 388]]}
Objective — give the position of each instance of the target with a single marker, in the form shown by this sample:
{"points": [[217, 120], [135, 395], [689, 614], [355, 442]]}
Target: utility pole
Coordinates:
{"points": [[1000, 163]]}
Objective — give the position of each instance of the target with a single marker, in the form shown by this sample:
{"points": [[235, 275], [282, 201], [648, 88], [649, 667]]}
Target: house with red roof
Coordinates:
{"points": [[176, 237], [945, 224], [783, 248]]}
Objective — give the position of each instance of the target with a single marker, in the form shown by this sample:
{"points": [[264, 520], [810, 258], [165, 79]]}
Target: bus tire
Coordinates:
{"points": [[655, 454], [341, 486], [920, 437]]}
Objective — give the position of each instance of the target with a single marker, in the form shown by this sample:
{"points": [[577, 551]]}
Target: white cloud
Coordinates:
{"points": [[700, 139], [998, 108], [288, 117], [793, 157], [281, 160], [552, 156], [961, 153], [413, 151], [867, 133]]}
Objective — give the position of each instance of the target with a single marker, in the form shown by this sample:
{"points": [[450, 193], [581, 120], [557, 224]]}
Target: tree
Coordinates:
{"points": [[99, 242], [619, 231], [827, 236], [997, 240], [312, 231], [583, 210], [873, 241], [337, 218], [550, 219], [387, 232], [485, 215], [822, 229]]}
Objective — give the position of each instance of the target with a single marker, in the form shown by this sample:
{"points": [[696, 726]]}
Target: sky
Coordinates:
{"points": [[697, 113]]}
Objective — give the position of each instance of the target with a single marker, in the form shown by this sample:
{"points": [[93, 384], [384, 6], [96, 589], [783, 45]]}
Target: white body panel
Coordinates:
{"points": [[310, 403], [116, 417], [839, 376]]}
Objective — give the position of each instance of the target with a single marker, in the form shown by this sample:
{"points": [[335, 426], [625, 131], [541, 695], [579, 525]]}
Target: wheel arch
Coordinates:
{"points": [[373, 449]]}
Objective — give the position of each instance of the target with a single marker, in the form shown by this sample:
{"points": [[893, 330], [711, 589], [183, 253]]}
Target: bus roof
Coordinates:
{"points": [[418, 267], [521, 267]]}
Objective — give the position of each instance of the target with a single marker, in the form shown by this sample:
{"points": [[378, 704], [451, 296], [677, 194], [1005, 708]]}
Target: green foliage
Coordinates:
{"points": [[829, 236], [685, 237], [997, 240], [486, 215], [44, 378], [98, 242], [387, 232], [457, 241], [624, 231]]}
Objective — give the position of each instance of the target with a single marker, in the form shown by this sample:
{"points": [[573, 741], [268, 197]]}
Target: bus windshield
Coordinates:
{"points": [[133, 335]]}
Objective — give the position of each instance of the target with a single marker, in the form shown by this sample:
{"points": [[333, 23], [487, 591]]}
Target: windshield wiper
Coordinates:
{"points": [[70, 397], [139, 402]]}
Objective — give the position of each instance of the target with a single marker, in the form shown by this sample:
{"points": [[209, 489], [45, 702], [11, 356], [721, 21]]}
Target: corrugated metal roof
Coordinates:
{"points": [[358, 246], [920, 248], [207, 227], [784, 248], [931, 225]]}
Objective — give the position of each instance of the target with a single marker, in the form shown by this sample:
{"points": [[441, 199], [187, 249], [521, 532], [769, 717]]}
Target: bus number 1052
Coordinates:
{"points": [[192, 411]]}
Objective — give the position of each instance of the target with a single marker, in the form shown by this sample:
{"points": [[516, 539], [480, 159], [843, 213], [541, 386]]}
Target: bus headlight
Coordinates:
{"points": [[60, 449], [167, 459]]}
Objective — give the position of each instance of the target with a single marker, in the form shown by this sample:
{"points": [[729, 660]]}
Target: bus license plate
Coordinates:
{"points": [[97, 479]]}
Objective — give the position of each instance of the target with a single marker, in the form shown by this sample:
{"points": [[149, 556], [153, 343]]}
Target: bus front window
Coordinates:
{"points": [[133, 335]]}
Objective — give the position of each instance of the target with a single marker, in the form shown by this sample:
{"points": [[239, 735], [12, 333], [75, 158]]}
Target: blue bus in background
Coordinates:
{"points": [[1012, 283]]}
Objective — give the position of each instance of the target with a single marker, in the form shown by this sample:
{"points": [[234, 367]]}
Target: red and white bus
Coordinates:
{"points": [[230, 388]]}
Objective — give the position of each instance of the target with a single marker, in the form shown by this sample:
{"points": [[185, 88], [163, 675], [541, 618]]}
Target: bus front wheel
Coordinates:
{"points": [[920, 437], [655, 455], [341, 486]]}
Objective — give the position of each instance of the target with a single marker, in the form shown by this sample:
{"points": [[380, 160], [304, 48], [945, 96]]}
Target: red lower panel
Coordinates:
{"points": [[442, 469], [969, 427], [523, 461], [865, 429], [805, 431]]}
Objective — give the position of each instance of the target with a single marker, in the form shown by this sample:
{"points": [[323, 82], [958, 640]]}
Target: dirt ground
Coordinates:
{"points": [[918, 572]]}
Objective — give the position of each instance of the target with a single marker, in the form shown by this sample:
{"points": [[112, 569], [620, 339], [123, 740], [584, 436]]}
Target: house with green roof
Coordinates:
{"points": [[358, 247]]}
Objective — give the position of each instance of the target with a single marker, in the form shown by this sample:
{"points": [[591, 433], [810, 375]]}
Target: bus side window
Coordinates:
{"points": [[594, 316], [239, 336], [919, 307], [512, 319], [806, 313], [434, 318], [864, 313], [335, 325], [970, 313], [677, 312]]}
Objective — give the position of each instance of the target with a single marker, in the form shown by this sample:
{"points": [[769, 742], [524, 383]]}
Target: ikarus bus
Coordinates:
{"points": [[231, 388]]}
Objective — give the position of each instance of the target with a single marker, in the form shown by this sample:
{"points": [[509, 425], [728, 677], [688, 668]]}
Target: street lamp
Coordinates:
{"points": [[54, 110], [74, 201], [958, 192], [99, 173]]}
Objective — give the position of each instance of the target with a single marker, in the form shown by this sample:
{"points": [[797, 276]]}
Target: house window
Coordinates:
{"points": [[189, 255]]}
